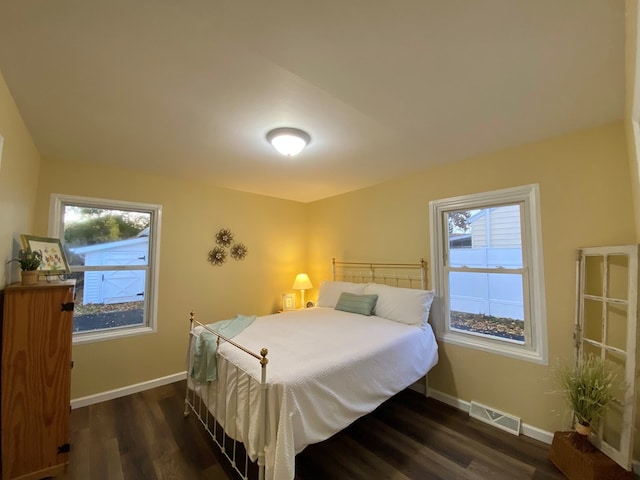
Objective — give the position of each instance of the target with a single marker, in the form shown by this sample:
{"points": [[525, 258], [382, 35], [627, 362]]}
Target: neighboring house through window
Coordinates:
{"points": [[112, 248], [488, 272]]}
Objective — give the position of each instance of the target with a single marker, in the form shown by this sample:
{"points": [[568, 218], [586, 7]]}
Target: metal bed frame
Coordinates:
{"points": [[362, 272], [359, 272], [194, 403]]}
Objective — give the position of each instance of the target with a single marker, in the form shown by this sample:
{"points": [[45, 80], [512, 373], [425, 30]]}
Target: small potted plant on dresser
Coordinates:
{"points": [[29, 263]]}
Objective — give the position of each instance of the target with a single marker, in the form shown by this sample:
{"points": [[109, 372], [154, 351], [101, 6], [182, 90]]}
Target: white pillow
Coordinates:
{"points": [[404, 305], [330, 292]]}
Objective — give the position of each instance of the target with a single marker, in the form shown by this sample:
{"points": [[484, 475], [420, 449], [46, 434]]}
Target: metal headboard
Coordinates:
{"points": [[396, 274]]}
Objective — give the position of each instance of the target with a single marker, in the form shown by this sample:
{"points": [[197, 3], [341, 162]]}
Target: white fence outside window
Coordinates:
{"points": [[498, 295]]}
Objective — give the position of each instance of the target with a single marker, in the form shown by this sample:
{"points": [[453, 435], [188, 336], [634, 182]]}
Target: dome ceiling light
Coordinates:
{"points": [[288, 141]]}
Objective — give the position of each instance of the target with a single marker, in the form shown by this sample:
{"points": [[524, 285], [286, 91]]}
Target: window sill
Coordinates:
{"points": [[100, 336], [494, 346]]}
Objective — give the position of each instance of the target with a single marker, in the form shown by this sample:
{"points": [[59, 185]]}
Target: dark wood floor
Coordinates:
{"points": [[145, 437]]}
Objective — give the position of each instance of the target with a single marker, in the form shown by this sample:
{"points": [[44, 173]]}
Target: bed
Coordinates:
{"points": [[325, 366]]}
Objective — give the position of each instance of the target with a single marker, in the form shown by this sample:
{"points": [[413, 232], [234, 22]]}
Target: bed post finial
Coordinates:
{"points": [[263, 361], [191, 315]]}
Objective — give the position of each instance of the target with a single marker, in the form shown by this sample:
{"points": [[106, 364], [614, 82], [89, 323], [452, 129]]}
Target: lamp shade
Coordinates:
{"points": [[288, 141], [302, 282]]}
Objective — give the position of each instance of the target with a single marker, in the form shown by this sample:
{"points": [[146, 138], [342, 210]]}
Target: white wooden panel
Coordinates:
{"points": [[486, 257], [505, 226], [479, 234], [92, 292], [93, 259], [499, 295], [599, 315], [122, 286], [132, 257]]}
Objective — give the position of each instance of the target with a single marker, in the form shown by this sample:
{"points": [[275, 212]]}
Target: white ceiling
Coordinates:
{"points": [[191, 87]]}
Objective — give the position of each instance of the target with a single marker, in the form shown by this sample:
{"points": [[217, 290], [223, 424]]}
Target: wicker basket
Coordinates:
{"points": [[578, 459]]}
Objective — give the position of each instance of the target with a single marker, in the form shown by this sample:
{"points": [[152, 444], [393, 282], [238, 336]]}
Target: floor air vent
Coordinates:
{"points": [[498, 419]]}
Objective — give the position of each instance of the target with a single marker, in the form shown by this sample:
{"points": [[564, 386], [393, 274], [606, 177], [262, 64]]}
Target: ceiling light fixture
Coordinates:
{"points": [[288, 141]]}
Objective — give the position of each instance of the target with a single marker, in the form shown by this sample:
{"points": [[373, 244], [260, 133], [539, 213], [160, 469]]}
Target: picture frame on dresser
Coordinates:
{"points": [[288, 301], [54, 261]]}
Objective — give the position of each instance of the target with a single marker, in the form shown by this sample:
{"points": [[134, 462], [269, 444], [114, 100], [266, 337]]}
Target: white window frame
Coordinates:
{"points": [[56, 225], [535, 348]]}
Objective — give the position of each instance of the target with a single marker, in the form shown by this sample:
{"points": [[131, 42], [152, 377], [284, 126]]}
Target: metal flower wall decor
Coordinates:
{"points": [[239, 251], [217, 256], [224, 239]]}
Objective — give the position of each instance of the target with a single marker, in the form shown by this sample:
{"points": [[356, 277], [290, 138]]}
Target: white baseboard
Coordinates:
{"points": [[536, 433], [450, 400], [527, 430], [121, 392]]}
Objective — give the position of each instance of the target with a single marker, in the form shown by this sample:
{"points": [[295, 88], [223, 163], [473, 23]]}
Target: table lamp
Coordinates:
{"points": [[302, 283]]}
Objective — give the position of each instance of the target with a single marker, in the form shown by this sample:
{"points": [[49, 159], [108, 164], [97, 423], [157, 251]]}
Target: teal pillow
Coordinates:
{"points": [[362, 304]]}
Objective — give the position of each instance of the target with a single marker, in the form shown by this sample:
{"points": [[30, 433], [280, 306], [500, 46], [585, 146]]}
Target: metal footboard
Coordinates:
{"points": [[213, 421]]}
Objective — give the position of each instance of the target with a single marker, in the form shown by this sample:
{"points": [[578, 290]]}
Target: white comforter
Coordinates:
{"points": [[326, 369]]}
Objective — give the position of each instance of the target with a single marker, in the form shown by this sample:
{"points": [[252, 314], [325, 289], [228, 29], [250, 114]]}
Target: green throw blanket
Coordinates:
{"points": [[205, 368]]}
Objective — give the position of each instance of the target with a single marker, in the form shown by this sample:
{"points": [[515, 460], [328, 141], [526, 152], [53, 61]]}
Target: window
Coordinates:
{"points": [[488, 272], [113, 250]]}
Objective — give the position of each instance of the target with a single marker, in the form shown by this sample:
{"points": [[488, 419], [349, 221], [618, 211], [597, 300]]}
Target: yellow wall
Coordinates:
{"points": [[632, 102], [273, 231], [585, 201], [19, 164]]}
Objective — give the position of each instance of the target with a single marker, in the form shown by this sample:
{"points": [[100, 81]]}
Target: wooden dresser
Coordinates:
{"points": [[36, 379]]}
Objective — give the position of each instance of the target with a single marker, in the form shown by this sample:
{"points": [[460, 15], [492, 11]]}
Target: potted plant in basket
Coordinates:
{"points": [[29, 263], [589, 389]]}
